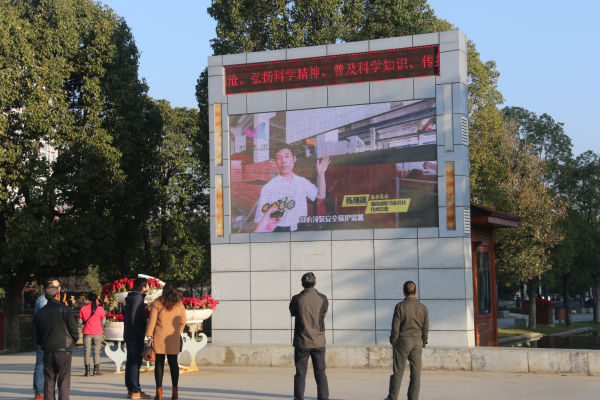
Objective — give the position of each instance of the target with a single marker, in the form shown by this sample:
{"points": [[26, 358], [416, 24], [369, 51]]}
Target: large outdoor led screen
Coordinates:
{"points": [[357, 167]]}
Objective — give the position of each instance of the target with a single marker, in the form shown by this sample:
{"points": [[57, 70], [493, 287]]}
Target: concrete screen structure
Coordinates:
{"points": [[378, 188]]}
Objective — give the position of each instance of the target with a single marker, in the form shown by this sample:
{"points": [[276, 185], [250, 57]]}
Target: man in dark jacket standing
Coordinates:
{"points": [[55, 331], [410, 331], [309, 308], [135, 319]]}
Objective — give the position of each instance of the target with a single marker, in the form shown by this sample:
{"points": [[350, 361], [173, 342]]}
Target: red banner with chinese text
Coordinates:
{"points": [[411, 62]]}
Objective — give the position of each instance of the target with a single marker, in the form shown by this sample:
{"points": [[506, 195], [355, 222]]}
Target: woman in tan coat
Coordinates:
{"points": [[165, 326]]}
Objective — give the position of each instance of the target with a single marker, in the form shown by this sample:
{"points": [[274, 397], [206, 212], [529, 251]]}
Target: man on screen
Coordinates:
{"points": [[282, 201]]}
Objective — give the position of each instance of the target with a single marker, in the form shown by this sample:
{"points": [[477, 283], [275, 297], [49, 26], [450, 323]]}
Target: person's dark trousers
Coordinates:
{"points": [[317, 355], [133, 365], [57, 371], [38, 372], [410, 349]]}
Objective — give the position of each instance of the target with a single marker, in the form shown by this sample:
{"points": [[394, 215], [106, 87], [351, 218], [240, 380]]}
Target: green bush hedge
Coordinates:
{"points": [[514, 310]]}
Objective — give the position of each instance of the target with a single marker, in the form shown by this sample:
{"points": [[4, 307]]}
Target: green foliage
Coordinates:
{"points": [[509, 172], [179, 230], [258, 25], [92, 280], [577, 259], [391, 18], [521, 191], [136, 124], [486, 127], [53, 58], [68, 83], [545, 137], [248, 25], [514, 310], [200, 140]]}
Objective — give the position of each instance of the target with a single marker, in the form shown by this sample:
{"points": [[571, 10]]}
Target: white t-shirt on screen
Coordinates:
{"points": [[296, 192]]}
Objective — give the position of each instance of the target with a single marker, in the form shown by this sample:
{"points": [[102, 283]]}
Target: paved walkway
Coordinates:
{"points": [[225, 383]]}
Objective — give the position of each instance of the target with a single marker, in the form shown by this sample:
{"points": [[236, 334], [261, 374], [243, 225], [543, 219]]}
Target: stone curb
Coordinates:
{"points": [[478, 359], [529, 336], [573, 332]]}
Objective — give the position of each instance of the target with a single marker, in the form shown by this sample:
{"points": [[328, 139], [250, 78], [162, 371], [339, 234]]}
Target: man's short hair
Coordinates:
{"points": [[48, 282], [409, 288], [277, 147], [51, 292], [309, 280], [139, 284]]}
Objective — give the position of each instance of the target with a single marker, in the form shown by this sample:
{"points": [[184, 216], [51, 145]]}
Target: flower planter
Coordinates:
{"points": [[114, 330], [198, 315], [202, 315], [122, 296], [543, 315]]}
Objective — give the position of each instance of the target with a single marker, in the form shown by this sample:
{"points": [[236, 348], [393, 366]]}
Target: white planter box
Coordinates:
{"points": [[202, 314], [114, 330], [198, 315], [122, 296]]}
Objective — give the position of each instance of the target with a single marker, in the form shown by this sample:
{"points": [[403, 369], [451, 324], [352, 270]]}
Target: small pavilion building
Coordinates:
{"points": [[484, 221]]}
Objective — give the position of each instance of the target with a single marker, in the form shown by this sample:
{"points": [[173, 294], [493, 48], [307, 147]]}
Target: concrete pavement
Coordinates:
{"points": [[254, 383]]}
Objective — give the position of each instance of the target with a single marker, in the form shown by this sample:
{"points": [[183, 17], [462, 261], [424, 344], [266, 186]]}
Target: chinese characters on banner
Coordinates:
{"points": [[333, 70]]}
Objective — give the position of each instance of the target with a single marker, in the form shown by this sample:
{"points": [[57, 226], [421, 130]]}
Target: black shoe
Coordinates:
{"points": [[87, 371], [97, 370]]}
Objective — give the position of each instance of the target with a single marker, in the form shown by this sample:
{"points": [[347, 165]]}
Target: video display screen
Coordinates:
{"points": [[355, 167]]}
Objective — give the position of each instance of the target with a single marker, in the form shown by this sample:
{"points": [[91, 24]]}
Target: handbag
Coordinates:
{"points": [[148, 353]]}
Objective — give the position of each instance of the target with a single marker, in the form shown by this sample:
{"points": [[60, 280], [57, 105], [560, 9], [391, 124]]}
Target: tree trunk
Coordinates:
{"points": [[597, 298], [123, 262], [532, 306], [546, 293], [582, 298], [567, 301], [12, 335]]}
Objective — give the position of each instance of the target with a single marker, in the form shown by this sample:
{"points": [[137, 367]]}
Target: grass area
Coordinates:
{"points": [[504, 333], [515, 310]]}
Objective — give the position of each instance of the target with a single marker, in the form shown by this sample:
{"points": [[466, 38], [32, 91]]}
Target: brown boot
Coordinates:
{"points": [[140, 395], [175, 393], [158, 394]]}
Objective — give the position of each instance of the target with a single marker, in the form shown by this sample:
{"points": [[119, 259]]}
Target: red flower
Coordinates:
{"points": [[155, 283], [540, 303], [192, 303], [106, 289], [112, 317]]}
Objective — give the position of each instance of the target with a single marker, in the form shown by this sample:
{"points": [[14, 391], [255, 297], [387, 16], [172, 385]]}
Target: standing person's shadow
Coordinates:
{"points": [[244, 393]]}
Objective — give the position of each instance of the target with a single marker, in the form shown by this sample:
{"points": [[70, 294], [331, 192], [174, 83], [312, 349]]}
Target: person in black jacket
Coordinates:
{"points": [[135, 319], [55, 331]]}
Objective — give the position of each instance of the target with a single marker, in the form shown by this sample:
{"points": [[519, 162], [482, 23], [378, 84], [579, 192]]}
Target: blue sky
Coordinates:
{"points": [[544, 50]]}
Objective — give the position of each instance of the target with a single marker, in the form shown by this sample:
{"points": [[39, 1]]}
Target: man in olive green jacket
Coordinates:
{"points": [[410, 330]]}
